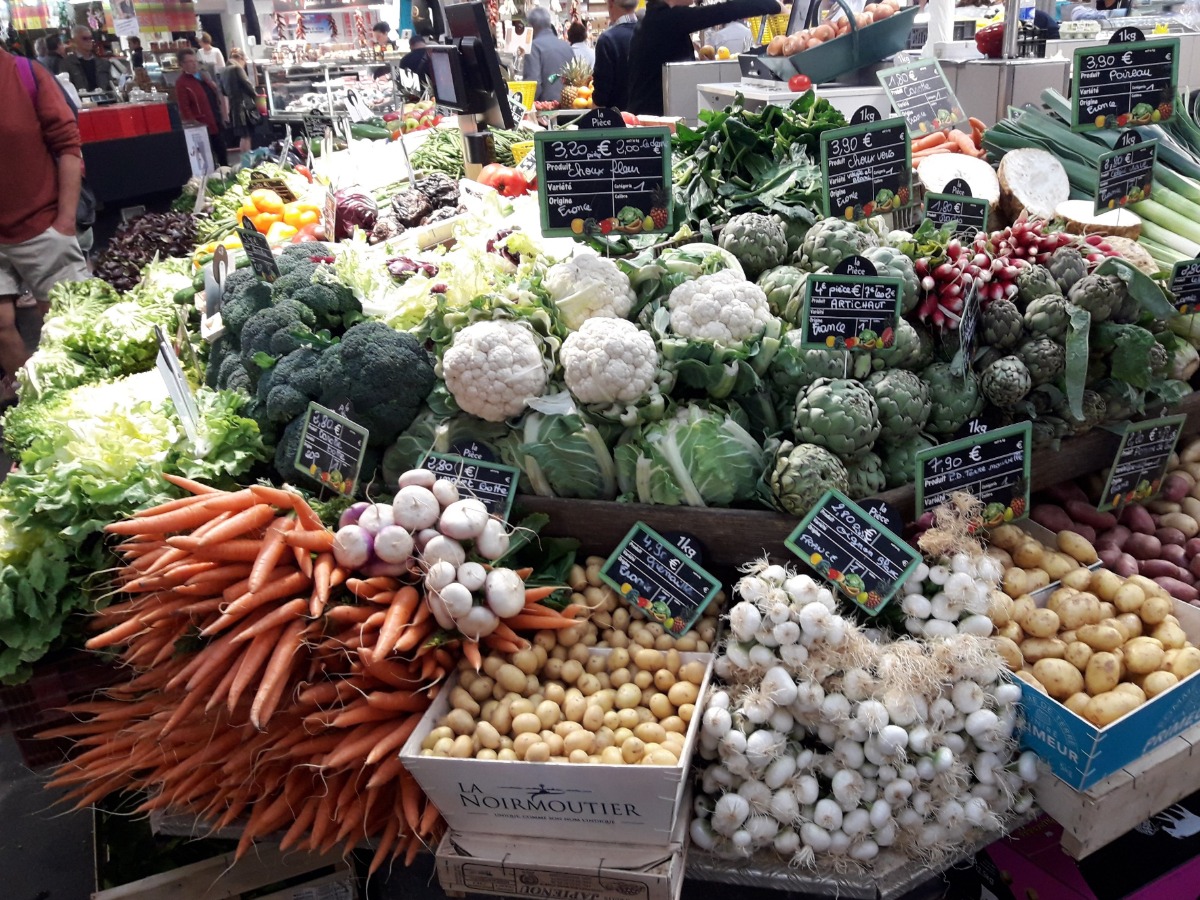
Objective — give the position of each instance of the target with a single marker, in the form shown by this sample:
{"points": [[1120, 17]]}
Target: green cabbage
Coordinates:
{"points": [[564, 455]]}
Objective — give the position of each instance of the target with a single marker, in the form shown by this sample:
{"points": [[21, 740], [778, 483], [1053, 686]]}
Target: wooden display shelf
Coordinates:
{"points": [[1148, 785], [734, 536]]}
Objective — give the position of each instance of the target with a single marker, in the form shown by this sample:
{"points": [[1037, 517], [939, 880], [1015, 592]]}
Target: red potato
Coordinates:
{"points": [[1084, 531], [1187, 577], [1118, 534], [1088, 515], [1192, 547], [1067, 490], [1049, 516], [1194, 566], [1137, 519], [1144, 546], [1175, 488], [1171, 536], [1109, 554], [1155, 518], [1174, 553], [1126, 566], [1178, 589], [1156, 568]]}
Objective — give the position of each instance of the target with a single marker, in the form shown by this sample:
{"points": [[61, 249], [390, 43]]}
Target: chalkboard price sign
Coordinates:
{"points": [[331, 449], [867, 169], [858, 553], [919, 92], [1124, 85], [1137, 472], [992, 467], [970, 213], [659, 578], [493, 484], [604, 181], [1125, 175], [850, 312], [1185, 285], [256, 247]]}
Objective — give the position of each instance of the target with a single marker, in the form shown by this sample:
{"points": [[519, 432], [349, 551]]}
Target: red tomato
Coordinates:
{"points": [[799, 83]]}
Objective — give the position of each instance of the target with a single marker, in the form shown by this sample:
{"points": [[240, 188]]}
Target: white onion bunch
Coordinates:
{"points": [[951, 595]]}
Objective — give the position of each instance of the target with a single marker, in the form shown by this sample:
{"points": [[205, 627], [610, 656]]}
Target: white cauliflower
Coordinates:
{"points": [[609, 360], [493, 368], [721, 307], [589, 286]]}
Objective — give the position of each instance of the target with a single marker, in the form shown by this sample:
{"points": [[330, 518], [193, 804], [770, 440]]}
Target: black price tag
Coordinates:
{"points": [[331, 449], [259, 181], [883, 513], [608, 180], [493, 484], [1126, 174], [858, 553], [1137, 472], [920, 93], [966, 333], [1185, 285], [865, 115], [1123, 85], [970, 213], [850, 312], [601, 117], [659, 578], [992, 467], [867, 169], [256, 247]]}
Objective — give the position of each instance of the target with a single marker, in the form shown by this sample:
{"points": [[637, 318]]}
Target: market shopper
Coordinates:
{"points": [[198, 102], [610, 75], [381, 34], [210, 57], [735, 37], [547, 55], [55, 56], [40, 173], [577, 38], [664, 36], [136, 59], [87, 71], [244, 115], [416, 60]]}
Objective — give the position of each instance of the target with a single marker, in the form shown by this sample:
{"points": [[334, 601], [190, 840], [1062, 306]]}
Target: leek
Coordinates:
{"points": [[1166, 236]]}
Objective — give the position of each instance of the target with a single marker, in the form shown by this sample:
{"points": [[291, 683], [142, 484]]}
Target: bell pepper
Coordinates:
{"points": [[231, 242], [267, 201], [303, 170], [392, 117], [264, 220], [298, 214], [280, 232]]}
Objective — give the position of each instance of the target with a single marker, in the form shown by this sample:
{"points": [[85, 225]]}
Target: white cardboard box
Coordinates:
{"points": [[630, 805]]}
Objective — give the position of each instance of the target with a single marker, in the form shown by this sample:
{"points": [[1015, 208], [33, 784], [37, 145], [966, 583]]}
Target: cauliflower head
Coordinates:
{"points": [[720, 307], [609, 361], [492, 368], [589, 286]]}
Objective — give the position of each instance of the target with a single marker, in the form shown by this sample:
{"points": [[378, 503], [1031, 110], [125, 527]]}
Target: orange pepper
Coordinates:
{"points": [[246, 209], [264, 220], [267, 201], [307, 217]]}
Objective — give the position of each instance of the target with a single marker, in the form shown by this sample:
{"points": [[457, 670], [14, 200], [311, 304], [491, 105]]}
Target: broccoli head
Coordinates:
{"points": [[233, 376], [285, 389], [276, 331], [245, 294], [220, 350], [298, 276], [384, 373], [306, 251], [333, 303]]}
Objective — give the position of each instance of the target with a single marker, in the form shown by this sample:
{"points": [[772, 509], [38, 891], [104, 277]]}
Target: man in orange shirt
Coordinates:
{"points": [[40, 172]]}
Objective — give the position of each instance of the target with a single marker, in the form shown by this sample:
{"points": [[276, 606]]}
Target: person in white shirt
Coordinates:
{"points": [[210, 57], [736, 37], [577, 38]]}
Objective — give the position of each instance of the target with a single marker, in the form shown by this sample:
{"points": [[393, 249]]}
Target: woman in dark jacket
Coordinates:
{"points": [[243, 109]]}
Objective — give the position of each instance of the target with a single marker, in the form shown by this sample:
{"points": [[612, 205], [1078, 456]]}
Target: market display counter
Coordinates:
{"points": [[987, 87], [132, 167], [847, 99]]}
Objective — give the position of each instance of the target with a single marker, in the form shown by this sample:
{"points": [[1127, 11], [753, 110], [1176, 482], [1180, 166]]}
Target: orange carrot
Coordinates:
{"points": [[269, 555], [271, 686], [238, 550], [413, 635], [176, 520], [322, 569], [398, 701], [274, 496], [977, 124], [247, 520], [964, 142], [359, 588], [498, 643], [930, 140], [471, 652], [428, 817], [303, 560], [403, 605], [188, 485], [274, 590], [503, 632], [169, 506], [317, 541], [390, 833], [411, 794], [280, 616], [394, 738], [534, 594], [308, 519]]}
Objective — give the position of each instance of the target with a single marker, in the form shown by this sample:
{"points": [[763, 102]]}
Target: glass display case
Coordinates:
{"points": [[310, 88]]}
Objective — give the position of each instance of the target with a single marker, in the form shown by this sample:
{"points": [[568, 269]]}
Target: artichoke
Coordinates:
{"points": [[1121, 401], [903, 353], [758, 242], [1000, 325], [925, 348], [794, 369], [1006, 381], [1049, 430], [1094, 412], [891, 263], [900, 460], [832, 240], [1067, 266], [800, 475], [784, 287], [1097, 369], [903, 402], [986, 358], [1048, 317], [954, 399], [1160, 358], [1128, 308], [1035, 281], [1101, 295], [1045, 359], [794, 228], [865, 476], [839, 414]]}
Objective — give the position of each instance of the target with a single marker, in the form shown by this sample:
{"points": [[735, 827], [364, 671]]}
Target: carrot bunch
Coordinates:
{"points": [[949, 141]]}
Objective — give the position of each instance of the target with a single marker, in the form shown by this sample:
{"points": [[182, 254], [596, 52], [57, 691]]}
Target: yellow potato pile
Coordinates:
{"points": [[1029, 566]]}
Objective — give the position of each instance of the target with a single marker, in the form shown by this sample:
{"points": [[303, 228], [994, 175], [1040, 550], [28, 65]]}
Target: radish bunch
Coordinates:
{"points": [[827, 745], [947, 279], [1029, 241], [428, 529]]}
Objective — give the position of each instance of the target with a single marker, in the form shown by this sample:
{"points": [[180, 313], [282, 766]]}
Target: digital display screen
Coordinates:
{"points": [[443, 78]]}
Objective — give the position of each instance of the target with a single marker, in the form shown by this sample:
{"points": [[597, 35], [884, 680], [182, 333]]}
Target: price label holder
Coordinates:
{"points": [[852, 309], [921, 94], [1185, 285], [966, 333], [854, 550], [992, 467], [215, 273], [605, 181], [259, 181], [957, 205], [1126, 83], [659, 578], [867, 169], [1141, 461], [493, 484], [201, 191], [329, 215], [256, 247], [601, 117], [331, 449], [179, 390], [1125, 174]]}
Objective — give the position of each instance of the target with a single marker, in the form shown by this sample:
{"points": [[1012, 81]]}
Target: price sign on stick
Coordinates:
{"points": [[853, 309], [1185, 285], [178, 388], [957, 205], [331, 449], [1141, 462], [256, 247], [493, 484], [652, 573], [992, 467], [1126, 174], [1127, 83], [854, 550], [867, 169], [921, 94]]}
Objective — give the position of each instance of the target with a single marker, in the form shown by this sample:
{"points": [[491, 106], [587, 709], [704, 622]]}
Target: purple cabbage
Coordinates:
{"points": [[355, 209]]}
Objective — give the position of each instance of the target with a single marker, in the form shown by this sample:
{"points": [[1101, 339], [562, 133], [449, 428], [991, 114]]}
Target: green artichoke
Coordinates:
{"points": [[903, 401], [906, 346], [900, 460], [1097, 369], [1121, 401], [1128, 308], [1006, 381], [832, 240], [839, 414], [1045, 359], [1048, 317], [986, 358], [891, 263], [794, 369], [1000, 325], [784, 287], [758, 242], [926, 346], [865, 476], [1094, 412], [794, 228], [1035, 281], [1049, 430], [954, 399], [1101, 295], [1067, 266], [1160, 358], [801, 474]]}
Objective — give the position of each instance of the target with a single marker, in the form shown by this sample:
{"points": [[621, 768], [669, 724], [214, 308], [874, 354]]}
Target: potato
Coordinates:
{"points": [[1011, 653], [1142, 656], [1129, 598], [1041, 623], [1132, 690], [1078, 653], [1076, 703], [1079, 579], [1157, 682], [1154, 610], [1007, 537], [1107, 611], [1186, 662], [1058, 564], [999, 608], [1149, 588], [1027, 676], [1105, 584], [1102, 674], [1022, 607], [1001, 556], [1035, 649], [1182, 521], [1060, 678], [1106, 708], [1076, 611], [1068, 637], [1012, 631], [1051, 517], [1015, 582], [1100, 637], [1172, 636], [1077, 547], [1036, 579], [1028, 554], [1129, 624]]}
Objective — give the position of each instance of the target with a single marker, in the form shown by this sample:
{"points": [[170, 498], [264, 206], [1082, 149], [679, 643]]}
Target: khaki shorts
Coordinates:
{"points": [[39, 264]]}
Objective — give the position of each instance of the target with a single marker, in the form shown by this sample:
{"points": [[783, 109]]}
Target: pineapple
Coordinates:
{"points": [[658, 208], [575, 74]]}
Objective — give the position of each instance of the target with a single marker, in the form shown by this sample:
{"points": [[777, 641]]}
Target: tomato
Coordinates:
{"points": [[311, 232], [487, 175], [799, 83]]}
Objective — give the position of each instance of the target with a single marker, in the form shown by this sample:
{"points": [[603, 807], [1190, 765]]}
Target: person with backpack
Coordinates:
{"points": [[41, 168]]}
